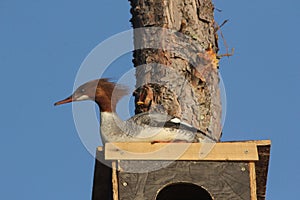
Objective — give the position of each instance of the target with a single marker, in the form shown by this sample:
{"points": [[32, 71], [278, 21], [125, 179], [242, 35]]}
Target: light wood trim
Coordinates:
{"points": [[237, 151], [252, 175], [100, 148], [260, 142], [263, 142], [115, 181]]}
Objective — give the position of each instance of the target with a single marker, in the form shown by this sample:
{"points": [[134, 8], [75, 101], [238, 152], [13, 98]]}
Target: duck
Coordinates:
{"points": [[150, 127]]}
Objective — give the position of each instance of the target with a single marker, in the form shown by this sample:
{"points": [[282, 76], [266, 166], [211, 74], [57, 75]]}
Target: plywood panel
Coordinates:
{"points": [[224, 180]]}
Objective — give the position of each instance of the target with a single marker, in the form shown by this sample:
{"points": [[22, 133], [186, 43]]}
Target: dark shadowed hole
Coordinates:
{"points": [[183, 191]]}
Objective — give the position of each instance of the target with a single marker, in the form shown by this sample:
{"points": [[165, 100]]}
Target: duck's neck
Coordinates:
{"points": [[106, 105], [111, 126]]}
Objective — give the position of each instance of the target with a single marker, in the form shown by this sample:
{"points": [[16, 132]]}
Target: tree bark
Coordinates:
{"points": [[176, 61]]}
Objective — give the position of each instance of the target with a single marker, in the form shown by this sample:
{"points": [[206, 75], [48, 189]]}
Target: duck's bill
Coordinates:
{"points": [[67, 100]]}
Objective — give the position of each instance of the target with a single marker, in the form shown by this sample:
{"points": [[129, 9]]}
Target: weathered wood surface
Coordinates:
{"points": [[239, 151], [115, 184], [261, 168], [183, 191], [102, 185], [185, 76], [224, 180], [183, 171]]}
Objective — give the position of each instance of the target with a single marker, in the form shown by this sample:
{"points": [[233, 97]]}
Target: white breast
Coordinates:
{"points": [[113, 129]]}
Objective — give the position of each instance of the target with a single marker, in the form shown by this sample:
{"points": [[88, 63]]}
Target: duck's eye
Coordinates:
{"points": [[83, 90]]}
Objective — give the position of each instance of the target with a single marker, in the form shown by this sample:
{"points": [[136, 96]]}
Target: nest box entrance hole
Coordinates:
{"points": [[183, 191]]}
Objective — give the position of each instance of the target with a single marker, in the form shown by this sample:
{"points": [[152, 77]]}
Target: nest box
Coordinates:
{"points": [[182, 171]]}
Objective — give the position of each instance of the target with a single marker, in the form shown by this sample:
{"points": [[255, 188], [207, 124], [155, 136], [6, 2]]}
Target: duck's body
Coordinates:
{"points": [[145, 127]]}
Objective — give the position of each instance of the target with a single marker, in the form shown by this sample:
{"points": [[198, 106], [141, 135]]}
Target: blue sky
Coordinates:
{"points": [[43, 43]]}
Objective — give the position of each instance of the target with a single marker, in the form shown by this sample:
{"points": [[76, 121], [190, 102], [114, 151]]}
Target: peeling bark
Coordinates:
{"points": [[176, 62]]}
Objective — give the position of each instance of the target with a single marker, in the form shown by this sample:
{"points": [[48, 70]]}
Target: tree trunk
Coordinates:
{"points": [[176, 61]]}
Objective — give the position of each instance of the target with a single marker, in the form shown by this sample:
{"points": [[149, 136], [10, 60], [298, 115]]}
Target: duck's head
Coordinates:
{"points": [[105, 93]]}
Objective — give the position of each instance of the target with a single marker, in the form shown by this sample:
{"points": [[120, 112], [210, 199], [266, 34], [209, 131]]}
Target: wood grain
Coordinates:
{"points": [[115, 187], [252, 176], [241, 151]]}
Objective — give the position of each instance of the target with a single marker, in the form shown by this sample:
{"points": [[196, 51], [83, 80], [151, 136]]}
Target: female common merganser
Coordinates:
{"points": [[144, 127]]}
